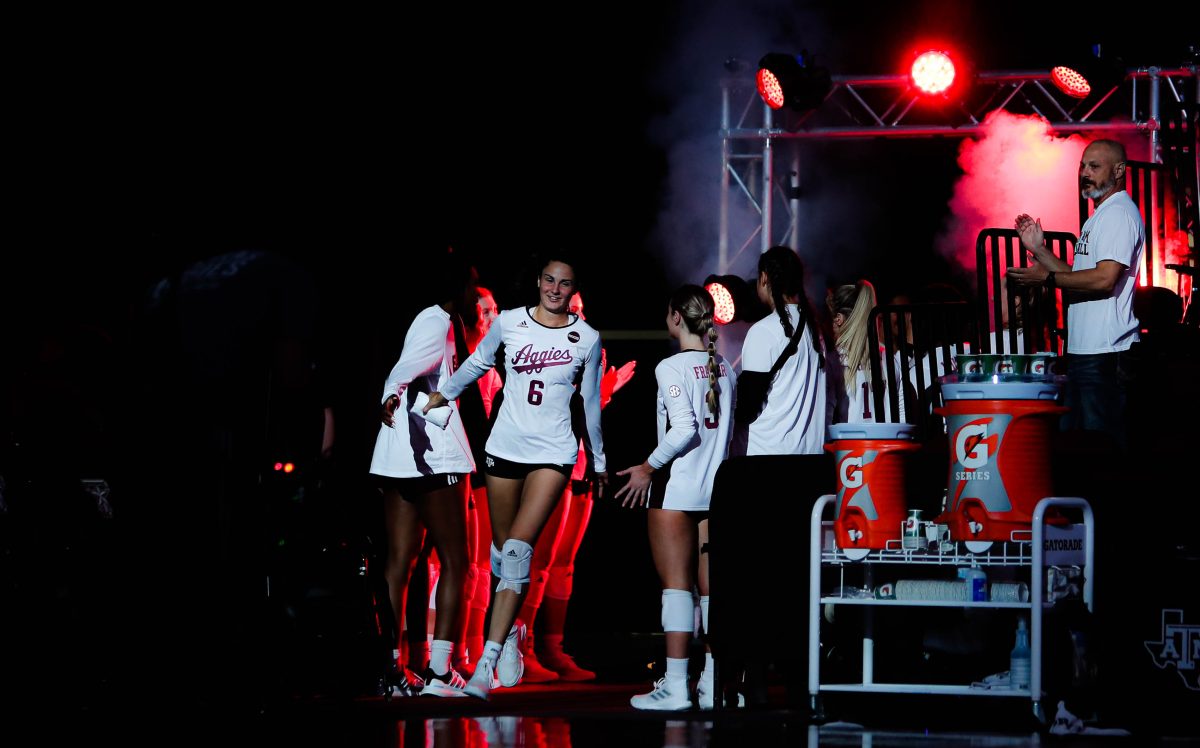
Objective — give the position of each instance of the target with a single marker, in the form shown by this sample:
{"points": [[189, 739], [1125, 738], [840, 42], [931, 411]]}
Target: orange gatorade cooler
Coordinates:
{"points": [[999, 436], [870, 479]]}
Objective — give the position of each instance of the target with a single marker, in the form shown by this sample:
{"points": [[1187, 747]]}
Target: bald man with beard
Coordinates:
{"points": [[1101, 325]]}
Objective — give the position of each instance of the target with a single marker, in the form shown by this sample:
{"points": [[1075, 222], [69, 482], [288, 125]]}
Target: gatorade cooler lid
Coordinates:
{"points": [[905, 431], [1002, 390]]}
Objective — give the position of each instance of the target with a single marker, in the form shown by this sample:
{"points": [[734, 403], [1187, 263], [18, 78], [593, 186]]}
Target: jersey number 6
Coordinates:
{"points": [[535, 392]]}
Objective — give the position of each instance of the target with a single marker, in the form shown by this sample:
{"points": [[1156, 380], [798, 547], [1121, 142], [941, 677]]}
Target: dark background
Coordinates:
{"points": [[348, 149]]}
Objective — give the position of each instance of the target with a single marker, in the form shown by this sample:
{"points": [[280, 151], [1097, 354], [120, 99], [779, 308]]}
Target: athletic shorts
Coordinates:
{"points": [[411, 488], [658, 492], [498, 467]]}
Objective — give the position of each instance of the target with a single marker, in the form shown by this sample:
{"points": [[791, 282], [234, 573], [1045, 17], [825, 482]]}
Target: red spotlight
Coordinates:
{"points": [[734, 299], [792, 81], [278, 466], [724, 309], [933, 72], [769, 88], [1070, 81]]}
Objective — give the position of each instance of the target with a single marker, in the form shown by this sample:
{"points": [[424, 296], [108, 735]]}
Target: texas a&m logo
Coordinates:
{"points": [[1178, 645]]}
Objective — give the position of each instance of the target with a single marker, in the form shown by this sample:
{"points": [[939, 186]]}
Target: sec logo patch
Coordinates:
{"points": [[573, 336], [674, 390]]}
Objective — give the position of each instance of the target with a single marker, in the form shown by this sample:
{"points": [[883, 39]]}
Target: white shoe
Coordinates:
{"points": [[705, 690], [667, 696], [511, 665], [481, 683], [451, 684]]}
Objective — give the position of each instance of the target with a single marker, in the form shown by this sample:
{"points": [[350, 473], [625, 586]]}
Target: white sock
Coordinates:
{"points": [[491, 652], [439, 656], [677, 668], [708, 665]]}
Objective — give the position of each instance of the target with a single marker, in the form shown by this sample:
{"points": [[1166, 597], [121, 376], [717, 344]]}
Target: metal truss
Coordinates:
{"points": [[886, 106]]}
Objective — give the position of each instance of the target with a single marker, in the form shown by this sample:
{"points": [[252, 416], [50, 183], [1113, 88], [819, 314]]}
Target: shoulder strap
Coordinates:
{"points": [[790, 348]]}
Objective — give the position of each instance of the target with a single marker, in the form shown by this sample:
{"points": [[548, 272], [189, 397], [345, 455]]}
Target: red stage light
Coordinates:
{"points": [[769, 88], [933, 72], [278, 466], [1070, 81], [723, 308]]}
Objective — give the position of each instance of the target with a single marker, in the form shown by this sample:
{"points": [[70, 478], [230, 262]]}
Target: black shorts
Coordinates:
{"points": [[411, 488], [498, 467]]}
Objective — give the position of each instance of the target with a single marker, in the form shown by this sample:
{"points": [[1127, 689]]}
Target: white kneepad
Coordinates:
{"points": [[496, 558], [678, 611], [517, 560], [704, 612]]}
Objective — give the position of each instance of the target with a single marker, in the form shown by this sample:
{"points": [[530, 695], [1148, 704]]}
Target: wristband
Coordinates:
{"points": [[1050, 281]]}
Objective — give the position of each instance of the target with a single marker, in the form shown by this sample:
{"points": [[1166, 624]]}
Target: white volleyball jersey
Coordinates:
{"points": [[413, 447], [858, 404], [542, 366], [794, 419], [691, 439]]}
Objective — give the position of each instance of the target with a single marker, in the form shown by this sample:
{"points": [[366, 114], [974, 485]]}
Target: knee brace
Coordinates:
{"points": [[704, 612], [496, 559], [433, 585], [560, 583], [678, 611], [537, 589], [517, 561], [483, 588]]}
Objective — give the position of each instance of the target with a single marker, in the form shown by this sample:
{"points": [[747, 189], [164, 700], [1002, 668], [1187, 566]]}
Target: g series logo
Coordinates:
{"points": [[850, 472], [971, 451]]}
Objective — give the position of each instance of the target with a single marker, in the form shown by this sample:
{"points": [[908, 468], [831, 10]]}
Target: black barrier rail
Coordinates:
{"points": [[920, 342], [1023, 318]]}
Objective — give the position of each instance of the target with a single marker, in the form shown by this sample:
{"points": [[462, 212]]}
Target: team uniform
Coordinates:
{"points": [[542, 365], [414, 448], [858, 405], [692, 441], [795, 416]]}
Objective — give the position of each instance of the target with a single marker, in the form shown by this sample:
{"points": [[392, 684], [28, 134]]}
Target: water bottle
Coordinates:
{"points": [[976, 582], [1019, 661]]}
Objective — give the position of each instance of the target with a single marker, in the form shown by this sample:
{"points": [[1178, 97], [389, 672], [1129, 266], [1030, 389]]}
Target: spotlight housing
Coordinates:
{"points": [[792, 81], [734, 298]]}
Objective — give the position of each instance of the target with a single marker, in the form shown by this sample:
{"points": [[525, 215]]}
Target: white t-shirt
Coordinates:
{"points": [[542, 367], [794, 419], [690, 438], [1114, 232], [413, 447]]}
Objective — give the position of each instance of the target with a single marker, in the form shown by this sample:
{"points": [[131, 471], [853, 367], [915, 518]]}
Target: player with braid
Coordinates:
{"points": [[695, 415]]}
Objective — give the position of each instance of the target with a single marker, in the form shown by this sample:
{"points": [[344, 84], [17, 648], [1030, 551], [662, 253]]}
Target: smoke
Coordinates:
{"points": [[1018, 165], [709, 41]]}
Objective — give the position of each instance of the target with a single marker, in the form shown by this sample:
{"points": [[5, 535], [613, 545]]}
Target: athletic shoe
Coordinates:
{"points": [[481, 682], [449, 684], [563, 664], [535, 672], [462, 663], [667, 696], [396, 685], [416, 680], [511, 665], [705, 690]]}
